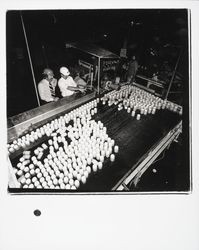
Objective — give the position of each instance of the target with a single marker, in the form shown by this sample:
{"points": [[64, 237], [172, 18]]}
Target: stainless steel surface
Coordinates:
{"points": [[18, 124]]}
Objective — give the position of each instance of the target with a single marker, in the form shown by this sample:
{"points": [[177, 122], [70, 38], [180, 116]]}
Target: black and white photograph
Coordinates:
{"points": [[99, 125], [98, 101]]}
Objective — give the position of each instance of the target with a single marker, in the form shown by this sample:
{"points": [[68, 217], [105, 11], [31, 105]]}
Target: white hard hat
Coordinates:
{"points": [[64, 71]]}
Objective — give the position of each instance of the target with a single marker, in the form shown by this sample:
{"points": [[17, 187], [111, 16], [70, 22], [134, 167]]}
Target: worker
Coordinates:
{"points": [[122, 70], [79, 80], [66, 83], [46, 87], [132, 69], [109, 84]]}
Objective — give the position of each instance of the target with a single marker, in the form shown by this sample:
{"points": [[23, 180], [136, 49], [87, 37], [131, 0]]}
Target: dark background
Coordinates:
{"points": [[163, 30]]}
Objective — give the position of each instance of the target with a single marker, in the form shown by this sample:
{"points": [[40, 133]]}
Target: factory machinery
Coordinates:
{"points": [[90, 143]]}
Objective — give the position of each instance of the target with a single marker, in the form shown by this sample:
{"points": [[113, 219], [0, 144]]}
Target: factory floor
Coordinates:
{"points": [[167, 174]]}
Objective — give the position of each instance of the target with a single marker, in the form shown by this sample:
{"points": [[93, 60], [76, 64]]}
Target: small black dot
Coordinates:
{"points": [[37, 212]]}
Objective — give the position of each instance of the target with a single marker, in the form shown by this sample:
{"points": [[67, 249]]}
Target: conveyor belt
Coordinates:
{"points": [[26, 121], [134, 137]]}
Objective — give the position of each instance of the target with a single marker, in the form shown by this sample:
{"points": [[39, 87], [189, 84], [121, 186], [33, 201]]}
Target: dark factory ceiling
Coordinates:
{"points": [[105, 26]]}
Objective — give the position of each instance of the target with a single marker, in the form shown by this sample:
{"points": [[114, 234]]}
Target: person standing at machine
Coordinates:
{"points": [[66, 83], [46, 87], [78, 78], [132, 70]]}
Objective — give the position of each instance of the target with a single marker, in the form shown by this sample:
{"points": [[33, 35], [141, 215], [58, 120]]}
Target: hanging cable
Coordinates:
{"points": [[29, 56]]}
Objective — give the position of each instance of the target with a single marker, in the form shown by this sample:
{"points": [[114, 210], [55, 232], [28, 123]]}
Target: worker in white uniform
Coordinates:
{"points": [[80, 81], [66, 83], [46, 87]]}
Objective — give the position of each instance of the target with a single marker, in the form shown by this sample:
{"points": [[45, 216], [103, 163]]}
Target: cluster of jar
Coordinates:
{"points": [[116, 96], [77, 147], [47, 129], [132, 99]]}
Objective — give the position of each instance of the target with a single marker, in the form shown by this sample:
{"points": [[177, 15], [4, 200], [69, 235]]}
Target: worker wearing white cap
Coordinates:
{"points": [[66, 83], [46, 87]]}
